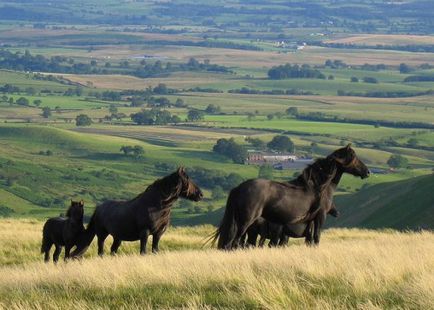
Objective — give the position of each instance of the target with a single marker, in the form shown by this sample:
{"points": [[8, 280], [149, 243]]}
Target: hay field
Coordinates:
{"points": [[351, 269], [383, 39]]}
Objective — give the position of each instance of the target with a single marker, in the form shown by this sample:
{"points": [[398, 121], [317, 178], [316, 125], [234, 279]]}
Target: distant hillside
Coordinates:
{"points": [[407, 204]]}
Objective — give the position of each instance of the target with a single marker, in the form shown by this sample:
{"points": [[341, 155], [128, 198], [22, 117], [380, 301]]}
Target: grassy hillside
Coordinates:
{"points": [[403, 204], [351, 269]]}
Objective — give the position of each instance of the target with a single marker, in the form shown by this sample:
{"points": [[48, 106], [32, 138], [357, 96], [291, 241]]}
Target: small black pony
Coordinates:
{"points": [[136, 219], [279, 234], [304, 201], [63, 231]]}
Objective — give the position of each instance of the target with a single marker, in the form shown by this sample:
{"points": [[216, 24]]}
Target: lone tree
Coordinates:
{"points": [[397, 161], [281, 143], [404, 68], [83, 120], [22, 101], [195, 115], [136, 151], [213, 109], [46, 112], [292, 111]]}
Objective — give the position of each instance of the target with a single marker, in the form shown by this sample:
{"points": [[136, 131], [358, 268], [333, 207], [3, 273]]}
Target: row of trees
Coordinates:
{"points": [[289, 71], [60, 64]]}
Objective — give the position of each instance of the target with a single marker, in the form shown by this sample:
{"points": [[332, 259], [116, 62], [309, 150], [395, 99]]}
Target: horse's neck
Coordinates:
{"points": [[166, 200], [75, 221], [337, 179]]}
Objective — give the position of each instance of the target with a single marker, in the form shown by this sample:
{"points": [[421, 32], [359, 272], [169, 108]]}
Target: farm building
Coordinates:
{"points": [[278, 161]]}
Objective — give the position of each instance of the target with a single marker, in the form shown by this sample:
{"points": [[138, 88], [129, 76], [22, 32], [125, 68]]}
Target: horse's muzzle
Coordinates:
{"points": [[198, 196], [366, 175]]}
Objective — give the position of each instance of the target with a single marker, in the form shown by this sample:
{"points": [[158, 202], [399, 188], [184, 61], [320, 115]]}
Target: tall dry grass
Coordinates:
{"points": [[350, 269]]}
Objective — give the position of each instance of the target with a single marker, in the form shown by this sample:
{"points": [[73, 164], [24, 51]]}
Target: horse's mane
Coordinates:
{"points": [[68, 212], [317, 176], [167, 186]]}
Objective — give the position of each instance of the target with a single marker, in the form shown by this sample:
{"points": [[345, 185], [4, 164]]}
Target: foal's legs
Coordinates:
{"points": [[262, 240], [251, 239], [101, 239], [155, 240], [56, 253], [115, 246], [283, 240], [144, 234]]}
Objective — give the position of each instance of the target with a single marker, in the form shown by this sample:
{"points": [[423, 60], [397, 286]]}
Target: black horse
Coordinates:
{"points": [[136, 219], [63, 231], [279, 234], [305, 200]]}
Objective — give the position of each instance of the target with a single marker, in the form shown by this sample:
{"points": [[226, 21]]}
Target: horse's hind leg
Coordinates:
{"points": [[101, 239], [144, 234], [56, 253], [47, 252], [155, 240], [309, 233], [115, 246], [319, 221]]}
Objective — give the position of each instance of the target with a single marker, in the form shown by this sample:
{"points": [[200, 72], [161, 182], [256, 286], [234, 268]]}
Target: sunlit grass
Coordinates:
{"points": [[350, 269]]}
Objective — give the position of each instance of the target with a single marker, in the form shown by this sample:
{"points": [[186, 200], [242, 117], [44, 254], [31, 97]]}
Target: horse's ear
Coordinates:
{"points": [[181, 170], [348, 146]]}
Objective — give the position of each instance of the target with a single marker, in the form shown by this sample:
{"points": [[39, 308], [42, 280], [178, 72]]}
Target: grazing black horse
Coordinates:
{"points": [[136, 219], [305, 200], [279, 234], [63, 231]]}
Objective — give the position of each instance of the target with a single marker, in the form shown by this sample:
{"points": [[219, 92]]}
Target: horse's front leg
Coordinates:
{"points": [[144, 234], [67, 251], [318, 222]]}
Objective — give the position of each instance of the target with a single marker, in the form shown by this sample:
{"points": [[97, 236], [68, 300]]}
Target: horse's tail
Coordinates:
{"points": [[45, 243], [85, 238], [226, 232]]}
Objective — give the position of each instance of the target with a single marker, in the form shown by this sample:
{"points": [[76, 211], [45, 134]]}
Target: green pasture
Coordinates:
{"points": [[341, 130], [24, 80], [91, 167]]}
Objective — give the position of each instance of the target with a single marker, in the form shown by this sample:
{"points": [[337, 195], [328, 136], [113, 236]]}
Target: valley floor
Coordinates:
{"points": [[352, 268]]}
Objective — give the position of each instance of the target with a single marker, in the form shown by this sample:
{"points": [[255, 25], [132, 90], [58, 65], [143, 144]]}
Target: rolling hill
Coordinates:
{"points": [[407, 204]]}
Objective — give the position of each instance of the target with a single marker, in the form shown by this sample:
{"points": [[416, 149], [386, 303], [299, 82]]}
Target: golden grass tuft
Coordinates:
{"points": [[350, 269]]}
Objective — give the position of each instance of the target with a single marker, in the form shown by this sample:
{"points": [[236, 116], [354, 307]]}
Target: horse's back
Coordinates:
{"points": [[118, 219]]}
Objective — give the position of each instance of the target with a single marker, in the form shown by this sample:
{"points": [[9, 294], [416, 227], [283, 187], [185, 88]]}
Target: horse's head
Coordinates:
{"points": [[347, 160], [76, 210], [189, 189]]}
